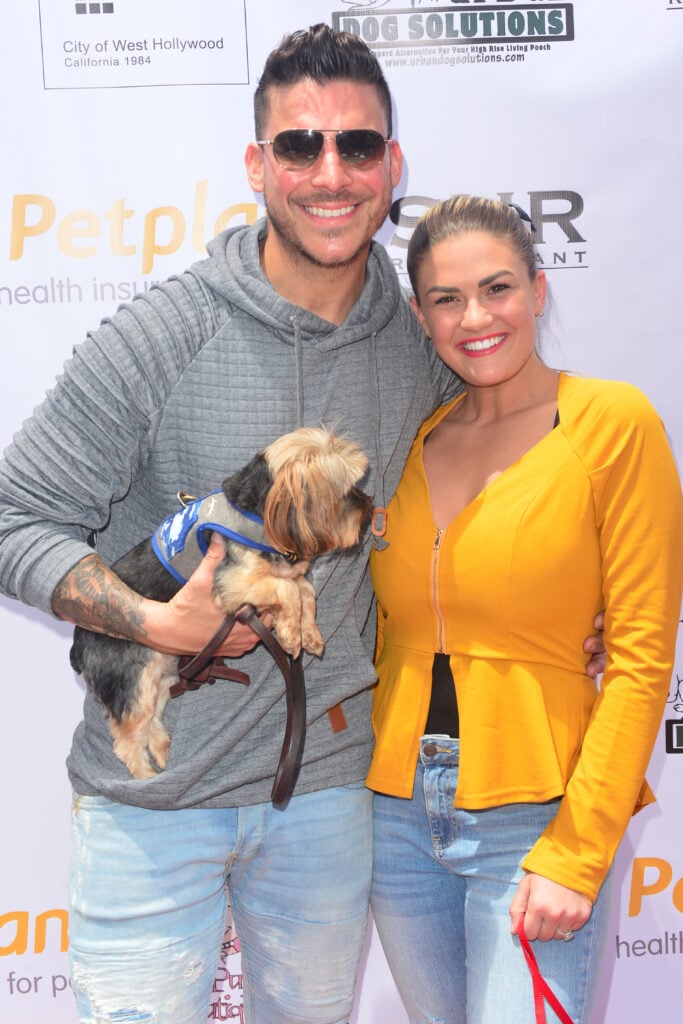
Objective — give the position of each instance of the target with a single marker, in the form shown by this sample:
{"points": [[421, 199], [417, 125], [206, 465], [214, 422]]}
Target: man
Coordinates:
{"points": [[296, 320]]}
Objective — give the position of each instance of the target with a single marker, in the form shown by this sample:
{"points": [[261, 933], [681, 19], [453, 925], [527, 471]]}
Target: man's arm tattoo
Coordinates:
{"points": [[92, 596]]}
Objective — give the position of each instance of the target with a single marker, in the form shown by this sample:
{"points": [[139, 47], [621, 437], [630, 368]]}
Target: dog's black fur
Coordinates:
{"points": [[114, 669], [110, 665]]}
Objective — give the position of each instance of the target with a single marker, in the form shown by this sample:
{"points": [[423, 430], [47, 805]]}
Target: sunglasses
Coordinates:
{"points": [[299, 148]]}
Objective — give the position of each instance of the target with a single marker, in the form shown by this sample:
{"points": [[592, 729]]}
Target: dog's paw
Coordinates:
{"points": [[159, 744], [289, 637], [312, 641], [136, 761]]}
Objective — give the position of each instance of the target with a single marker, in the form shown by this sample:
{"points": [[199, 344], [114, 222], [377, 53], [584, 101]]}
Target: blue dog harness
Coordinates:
{"points": [[182, 540], [180, 543]]}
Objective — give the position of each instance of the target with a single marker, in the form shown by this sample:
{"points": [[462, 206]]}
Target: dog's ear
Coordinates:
{"points": [[306, 510], [248, 486], [308, 513], [287, 517]]}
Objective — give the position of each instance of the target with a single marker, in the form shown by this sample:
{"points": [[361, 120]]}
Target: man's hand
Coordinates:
{"points": [[195, 616], [91, 595], [595, 646]]}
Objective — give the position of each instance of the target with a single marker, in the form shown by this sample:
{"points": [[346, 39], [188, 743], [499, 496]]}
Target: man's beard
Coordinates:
{"points": [[290, 240], [300, 253]]}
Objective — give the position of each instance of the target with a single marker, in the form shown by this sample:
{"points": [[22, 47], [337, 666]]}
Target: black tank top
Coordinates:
{"points": [[443, 718]]}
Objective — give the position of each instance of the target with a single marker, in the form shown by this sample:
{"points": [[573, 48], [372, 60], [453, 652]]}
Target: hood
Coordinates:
{"points": [[234, 276], [233, 271]]}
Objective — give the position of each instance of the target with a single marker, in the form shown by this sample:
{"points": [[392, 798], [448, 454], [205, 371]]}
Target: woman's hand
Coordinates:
{"points": [[595, 646], [548, 909]]}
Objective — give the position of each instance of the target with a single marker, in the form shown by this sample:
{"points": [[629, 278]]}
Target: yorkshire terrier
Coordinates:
{"points": [[295, 500]]}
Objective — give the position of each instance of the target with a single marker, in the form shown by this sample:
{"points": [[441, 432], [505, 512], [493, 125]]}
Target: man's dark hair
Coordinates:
{"points": [[322, 55]]}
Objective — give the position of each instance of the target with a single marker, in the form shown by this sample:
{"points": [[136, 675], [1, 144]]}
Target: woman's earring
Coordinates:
{"points": [[540, 312]]}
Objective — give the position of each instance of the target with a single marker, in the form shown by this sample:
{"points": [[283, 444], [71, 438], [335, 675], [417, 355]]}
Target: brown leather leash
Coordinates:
{"points": [[206, 668]]}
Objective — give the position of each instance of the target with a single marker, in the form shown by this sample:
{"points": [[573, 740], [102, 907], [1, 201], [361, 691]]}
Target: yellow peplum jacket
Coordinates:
{"points": [[590, 518]]}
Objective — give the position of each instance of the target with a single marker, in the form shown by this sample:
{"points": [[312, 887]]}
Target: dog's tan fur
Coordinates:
{"points": [[142, 729], [307, 512]]}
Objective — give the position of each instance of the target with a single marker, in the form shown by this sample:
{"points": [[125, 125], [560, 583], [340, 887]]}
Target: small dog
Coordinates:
{"points": [[295, 500]]}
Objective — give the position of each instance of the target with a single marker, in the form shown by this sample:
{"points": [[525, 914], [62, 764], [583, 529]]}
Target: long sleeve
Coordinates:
{"points": [[83, 445], [639, 516], [591, 517]]}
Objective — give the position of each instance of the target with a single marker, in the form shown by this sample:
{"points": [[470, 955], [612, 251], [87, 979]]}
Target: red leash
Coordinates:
{"points": [[542, 990]]}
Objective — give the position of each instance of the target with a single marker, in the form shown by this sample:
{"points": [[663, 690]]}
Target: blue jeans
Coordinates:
{"points": [[443, 881], [148, 907]]}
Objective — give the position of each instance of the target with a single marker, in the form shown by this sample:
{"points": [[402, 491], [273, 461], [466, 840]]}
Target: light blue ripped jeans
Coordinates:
{"points": [[148, 907], [443, 881]]}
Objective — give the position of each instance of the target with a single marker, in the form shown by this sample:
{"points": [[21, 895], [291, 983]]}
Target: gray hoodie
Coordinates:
{"points": [[175, 392]]}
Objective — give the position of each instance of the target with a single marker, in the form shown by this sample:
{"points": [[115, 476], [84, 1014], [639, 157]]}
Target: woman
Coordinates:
{"points": [[506, 777]]}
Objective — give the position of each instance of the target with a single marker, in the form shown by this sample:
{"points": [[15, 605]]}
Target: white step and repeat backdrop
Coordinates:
{"points": [[123, 130]]}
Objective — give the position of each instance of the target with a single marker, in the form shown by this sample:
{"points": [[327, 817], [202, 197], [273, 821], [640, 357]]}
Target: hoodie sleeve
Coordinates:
{"points": [[81, 448]]}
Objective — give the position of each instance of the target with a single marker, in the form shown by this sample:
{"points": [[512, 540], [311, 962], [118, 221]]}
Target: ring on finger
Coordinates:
{"points": [[567, 936]]}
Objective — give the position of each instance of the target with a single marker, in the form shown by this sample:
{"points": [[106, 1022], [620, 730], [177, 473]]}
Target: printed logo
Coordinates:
{"points": [[655, 886], [170, 538], [20, 933], [94, 8], [651, 876], [430, 33], [226, 998], [560, 244], [38, 222], [673, 727], [196, 42]]}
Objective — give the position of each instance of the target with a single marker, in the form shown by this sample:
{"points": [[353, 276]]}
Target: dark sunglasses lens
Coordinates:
{"points": [[360, 147], [298, 147]]}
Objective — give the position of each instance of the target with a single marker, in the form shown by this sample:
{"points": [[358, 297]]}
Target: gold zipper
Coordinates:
{"points": [[435, 589]]}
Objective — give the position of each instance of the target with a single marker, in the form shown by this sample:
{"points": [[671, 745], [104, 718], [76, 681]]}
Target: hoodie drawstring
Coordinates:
{"points": [[299, 359], [379, 516]]}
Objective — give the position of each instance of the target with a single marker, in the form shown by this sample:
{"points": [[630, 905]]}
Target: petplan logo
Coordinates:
{"points": [[472, 31], [655, 881], [41, 230], [23, 935]]}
